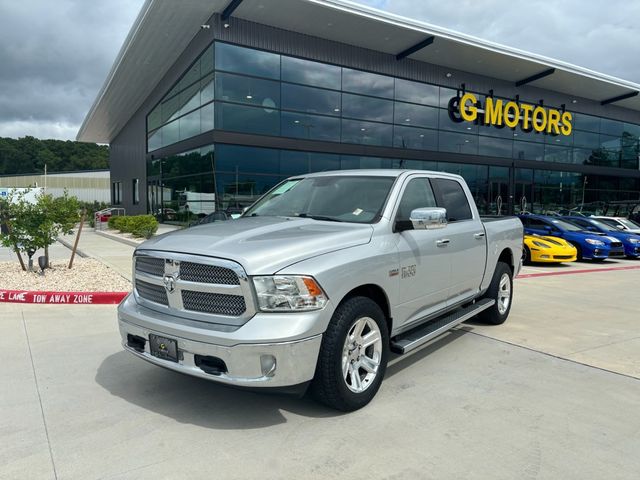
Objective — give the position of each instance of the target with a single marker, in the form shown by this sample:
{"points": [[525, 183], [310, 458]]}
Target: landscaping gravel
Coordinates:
{"points": [[87, 275]]}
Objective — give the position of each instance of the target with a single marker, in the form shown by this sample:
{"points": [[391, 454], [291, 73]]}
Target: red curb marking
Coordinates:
{"points": [[587, 270], [65, 298]]}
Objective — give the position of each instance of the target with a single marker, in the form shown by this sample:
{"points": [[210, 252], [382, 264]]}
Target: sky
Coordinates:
{"points": [[55, 56]]}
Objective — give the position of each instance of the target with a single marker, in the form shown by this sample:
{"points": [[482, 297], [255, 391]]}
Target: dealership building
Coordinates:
{"points": [[216, 101]]}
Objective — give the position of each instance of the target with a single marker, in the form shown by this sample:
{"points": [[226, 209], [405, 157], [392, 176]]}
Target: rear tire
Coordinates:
{"points": [[500, 290], [526, 255], [353, 356]]}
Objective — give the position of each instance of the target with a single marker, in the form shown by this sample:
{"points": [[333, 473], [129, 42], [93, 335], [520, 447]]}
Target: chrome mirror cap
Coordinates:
{"points": [[428, 218]]}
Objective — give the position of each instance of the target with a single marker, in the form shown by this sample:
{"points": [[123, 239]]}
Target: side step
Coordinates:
{"points": [[417, 337]]}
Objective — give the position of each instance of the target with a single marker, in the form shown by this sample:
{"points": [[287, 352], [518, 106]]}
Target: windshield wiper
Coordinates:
{"points": [[318, 217]]}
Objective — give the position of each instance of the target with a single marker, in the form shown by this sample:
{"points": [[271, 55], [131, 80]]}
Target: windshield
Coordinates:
{"points": [[629, 223], [566, 226], [603, 226], [336, 198]]}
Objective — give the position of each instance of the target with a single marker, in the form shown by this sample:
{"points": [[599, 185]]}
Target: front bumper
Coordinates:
{"points": [[270, 350], [247, 365]]}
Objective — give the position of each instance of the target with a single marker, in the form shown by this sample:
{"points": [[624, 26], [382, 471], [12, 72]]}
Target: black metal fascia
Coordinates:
{"points": [[619, 97], [535, 77], [418, 46], [226, 13]]}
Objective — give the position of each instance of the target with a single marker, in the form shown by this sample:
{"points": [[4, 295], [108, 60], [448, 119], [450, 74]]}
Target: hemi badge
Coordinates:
{"points": [[394, 273]]}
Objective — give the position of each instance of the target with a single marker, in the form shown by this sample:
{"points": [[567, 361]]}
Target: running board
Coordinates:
{"points": [[413, 339]]}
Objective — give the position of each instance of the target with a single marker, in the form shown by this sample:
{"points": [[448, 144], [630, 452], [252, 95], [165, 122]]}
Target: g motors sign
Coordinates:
{"points": [[507, 113]]}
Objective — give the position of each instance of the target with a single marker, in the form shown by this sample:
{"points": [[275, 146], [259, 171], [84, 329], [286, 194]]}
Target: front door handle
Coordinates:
{"points": [[478, 235], [442, 243]]}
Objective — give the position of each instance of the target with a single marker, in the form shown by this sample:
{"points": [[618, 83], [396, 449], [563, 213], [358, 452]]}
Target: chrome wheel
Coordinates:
{"points": [[504, 293], [361, 354]]}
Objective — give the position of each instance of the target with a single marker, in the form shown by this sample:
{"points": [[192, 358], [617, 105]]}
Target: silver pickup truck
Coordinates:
{"points": [[319, 281]]}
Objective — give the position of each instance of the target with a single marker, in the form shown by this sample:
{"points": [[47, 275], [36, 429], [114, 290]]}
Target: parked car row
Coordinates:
{"points": [[570, 238]]}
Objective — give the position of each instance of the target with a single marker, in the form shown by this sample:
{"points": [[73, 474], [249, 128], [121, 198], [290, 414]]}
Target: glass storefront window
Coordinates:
{"points": [[239, 118], [367, 108], [411, 115], [611, 127], [248, 90], [457, 143], [297, 70], [528, 151], [367, 83], [586, 122], [367, 133], [415, 138], [495, 147], [232, 58], [310, 126], [416, 92], [311, 100]]}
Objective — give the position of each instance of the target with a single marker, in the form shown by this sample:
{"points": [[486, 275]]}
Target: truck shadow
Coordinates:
{"points": [[191, 400], [196, 401]]}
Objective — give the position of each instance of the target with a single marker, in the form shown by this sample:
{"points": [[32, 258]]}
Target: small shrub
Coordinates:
{"points": [[138, 225]]}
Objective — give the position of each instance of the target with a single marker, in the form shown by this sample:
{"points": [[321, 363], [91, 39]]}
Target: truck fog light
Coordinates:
{"points": [[268, 365]]}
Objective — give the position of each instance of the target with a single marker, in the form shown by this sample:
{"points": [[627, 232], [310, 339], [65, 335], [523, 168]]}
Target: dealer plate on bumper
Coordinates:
{"points": [[164, 348]]}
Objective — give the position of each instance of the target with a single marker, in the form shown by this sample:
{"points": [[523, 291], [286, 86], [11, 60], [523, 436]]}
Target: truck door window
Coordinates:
{"points": [[417, 194], [452, 197]]}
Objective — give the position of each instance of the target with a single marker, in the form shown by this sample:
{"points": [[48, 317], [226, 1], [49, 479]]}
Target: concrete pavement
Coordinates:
{"points": [[75, 406]]}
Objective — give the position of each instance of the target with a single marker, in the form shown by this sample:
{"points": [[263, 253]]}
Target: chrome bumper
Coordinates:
{"points": [[248, 365]]}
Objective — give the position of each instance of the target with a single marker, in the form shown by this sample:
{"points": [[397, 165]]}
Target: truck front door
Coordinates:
{"points": [[424, 267]]}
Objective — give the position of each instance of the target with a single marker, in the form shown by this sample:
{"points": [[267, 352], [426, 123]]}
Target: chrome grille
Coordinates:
{"points": [[216, 303], [198, 272], [153, 293], [151, 265], [193, 287]]}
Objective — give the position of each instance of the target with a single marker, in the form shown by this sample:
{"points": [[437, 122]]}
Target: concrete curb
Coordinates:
{"points": [[64, 298], [70, 247], [110, 236]]}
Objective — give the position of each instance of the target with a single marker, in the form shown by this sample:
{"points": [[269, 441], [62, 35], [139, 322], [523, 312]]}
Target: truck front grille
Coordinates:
{"points": [[216, 303], [151, 265], [194, 287], [153, 293], [198, 272]]}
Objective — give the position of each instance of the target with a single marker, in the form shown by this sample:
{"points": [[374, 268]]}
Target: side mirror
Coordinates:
{"points": [[429, 218], [548, 228], [619, 227]]}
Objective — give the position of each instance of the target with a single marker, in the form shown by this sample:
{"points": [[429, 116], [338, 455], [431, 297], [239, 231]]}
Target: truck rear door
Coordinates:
{"points": [[465, 239]]}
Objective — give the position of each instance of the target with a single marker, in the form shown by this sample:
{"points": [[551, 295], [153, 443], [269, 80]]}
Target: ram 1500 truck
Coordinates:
{"points": [[319, 281]]}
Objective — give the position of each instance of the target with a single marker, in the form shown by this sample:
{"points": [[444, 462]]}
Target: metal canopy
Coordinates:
{"points": [[619, 98], [164, 28], [418, 46], [535, 77]]}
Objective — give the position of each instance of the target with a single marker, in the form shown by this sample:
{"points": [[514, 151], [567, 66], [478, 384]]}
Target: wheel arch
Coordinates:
{"points": [[506, 256], [378, 295]]}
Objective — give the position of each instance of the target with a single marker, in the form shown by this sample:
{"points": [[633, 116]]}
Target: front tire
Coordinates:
{"points": [[353, 356], [500, 290]]}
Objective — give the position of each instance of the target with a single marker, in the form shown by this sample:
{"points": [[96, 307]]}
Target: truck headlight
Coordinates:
{"points": [[593, 241], [286, 293]]}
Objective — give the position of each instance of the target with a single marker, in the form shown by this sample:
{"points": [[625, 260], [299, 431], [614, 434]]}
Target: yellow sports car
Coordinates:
{"points": [[547, 249]]}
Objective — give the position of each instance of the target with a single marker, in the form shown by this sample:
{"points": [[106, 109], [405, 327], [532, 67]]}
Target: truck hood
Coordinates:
{"points": [[263, 245]]}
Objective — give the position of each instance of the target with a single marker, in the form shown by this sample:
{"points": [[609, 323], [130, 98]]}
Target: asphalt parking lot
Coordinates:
{"points": [[553, 394]]}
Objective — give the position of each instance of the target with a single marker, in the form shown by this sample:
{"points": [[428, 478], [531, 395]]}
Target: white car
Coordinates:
{"points": [[621, 223]]}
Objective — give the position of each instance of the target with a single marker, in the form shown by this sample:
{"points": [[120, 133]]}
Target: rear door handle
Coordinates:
{"points": [[478, 235], [442, 243]]}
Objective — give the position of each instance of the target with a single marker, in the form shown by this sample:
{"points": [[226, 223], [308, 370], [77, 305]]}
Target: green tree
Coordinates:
{"points": [[37, 225]]}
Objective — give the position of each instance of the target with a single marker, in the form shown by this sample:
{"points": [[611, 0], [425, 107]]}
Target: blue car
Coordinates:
{"points": [[590, 245], [630, 241]]}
